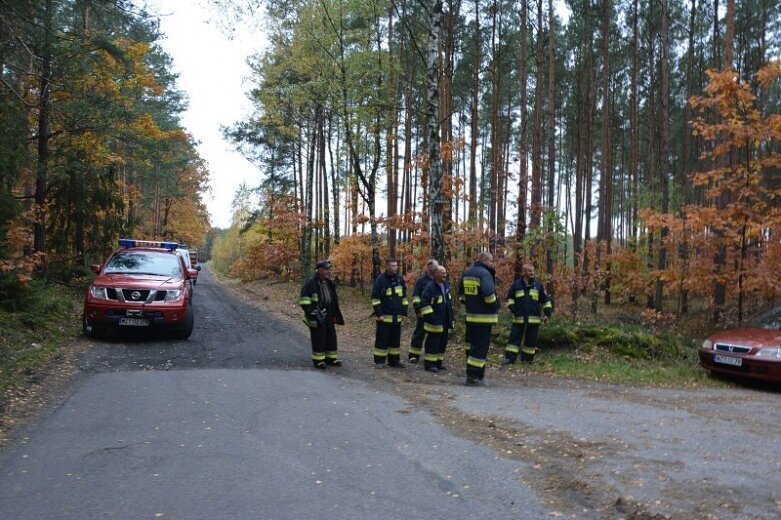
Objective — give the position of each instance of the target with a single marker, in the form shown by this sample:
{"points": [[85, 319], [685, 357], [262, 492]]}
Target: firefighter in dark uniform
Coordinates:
{"points": [[478, 293], [418, 335], [321, 312], [389, 300], [530, 306], [437, 313]]}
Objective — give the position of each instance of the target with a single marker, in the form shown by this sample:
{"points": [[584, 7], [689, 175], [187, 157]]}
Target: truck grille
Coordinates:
{"points": [[142, 296], [135, 295]]}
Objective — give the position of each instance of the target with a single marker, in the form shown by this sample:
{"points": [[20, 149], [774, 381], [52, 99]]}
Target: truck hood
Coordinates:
{"points": [[139, 281]]}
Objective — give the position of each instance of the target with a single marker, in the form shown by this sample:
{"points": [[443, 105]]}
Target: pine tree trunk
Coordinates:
{"points": [[605, 231], [523, 147], [495, 133], [536, 202], [634, 161], [664, 172], [391, 166], [42, 167], [408, 154], [720, 289], [551, 144], [474, 117]]}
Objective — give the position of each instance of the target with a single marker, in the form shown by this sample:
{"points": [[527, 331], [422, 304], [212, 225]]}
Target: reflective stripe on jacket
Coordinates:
{"points": [[310, 300], [417, 291], [528, 301], [436, 308], [477, 290], [389, 298]]}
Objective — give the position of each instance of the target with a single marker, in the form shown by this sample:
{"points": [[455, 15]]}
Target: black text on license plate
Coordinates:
{"points": [[134, 322], [728, 360]]}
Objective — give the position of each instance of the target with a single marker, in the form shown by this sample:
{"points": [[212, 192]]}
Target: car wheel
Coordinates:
{"points": [[186, 329], [90, 330]]}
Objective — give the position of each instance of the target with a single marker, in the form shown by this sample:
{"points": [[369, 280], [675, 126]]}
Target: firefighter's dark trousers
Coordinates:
{"points": [[324, 345], [416, 343], [386, 343], [478, 337], [523, 339], [436, 343]]}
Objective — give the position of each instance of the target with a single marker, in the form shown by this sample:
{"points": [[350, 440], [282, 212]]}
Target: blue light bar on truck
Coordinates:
{"points": [[129, 242]]}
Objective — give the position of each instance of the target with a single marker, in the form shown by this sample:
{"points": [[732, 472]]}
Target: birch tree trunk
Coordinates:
{"points": [[434, 160]]}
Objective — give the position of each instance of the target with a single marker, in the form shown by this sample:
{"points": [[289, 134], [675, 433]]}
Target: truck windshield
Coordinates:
{"points": [[144, 263]]}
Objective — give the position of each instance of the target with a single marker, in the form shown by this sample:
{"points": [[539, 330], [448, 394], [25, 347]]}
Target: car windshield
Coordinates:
{"points": [[144, 263], [769, 320], [185, 254]]}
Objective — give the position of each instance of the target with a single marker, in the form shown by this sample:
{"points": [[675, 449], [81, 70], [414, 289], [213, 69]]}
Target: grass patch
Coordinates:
{"points": [[618, 353], [44, 316]]}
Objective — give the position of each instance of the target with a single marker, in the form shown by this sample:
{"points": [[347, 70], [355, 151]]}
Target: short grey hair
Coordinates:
{"points": [[484, 255]]}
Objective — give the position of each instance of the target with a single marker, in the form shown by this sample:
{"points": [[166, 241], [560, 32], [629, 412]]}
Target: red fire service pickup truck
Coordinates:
{"points": [[143, 284]]}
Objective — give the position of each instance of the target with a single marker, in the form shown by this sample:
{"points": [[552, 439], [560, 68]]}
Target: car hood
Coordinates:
{"points": [[140, 281], [749, 337]]}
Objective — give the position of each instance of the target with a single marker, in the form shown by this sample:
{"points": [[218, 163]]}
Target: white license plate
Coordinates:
{"points": [[728, 360], [134, 322]]}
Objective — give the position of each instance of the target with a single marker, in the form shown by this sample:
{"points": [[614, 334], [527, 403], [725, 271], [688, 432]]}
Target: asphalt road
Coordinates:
{"points": [[234, 423]]}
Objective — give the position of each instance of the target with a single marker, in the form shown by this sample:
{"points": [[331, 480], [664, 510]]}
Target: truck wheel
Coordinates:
{"points": [[186, 329], [90, 330]]}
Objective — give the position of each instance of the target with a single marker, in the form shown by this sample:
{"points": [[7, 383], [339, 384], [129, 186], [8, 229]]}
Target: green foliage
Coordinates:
{"points": [[629, 341], [13, 292], [45, 315], [113, 158]]}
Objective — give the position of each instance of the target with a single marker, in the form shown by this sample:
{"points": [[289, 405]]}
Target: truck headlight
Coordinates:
{"points": [[98, 292], [172, 296]]}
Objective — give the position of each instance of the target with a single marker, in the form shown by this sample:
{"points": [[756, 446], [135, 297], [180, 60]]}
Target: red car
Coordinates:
{"points": [[142, 285], [752, 352]]}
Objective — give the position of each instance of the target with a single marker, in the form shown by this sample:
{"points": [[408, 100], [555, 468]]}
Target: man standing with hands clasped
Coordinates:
{"points": [[321, 311], [418, 335], [437, 312], [527, 301], [389, 300]]}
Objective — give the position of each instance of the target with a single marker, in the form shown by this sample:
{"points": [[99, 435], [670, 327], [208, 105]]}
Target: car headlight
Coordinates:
{"points": [[172, 296], [98, 292], [707, 344], [769, 352]]}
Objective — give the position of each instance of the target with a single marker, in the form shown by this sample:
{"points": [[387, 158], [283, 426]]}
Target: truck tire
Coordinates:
{"points": [[90, 330], [186, 329]]}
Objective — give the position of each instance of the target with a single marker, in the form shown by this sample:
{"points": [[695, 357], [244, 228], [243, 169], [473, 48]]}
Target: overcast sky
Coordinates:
{"points": [[211, 70]]}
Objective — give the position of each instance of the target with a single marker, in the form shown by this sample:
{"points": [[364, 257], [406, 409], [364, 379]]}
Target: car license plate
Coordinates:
{"points": [[728, 360], [134, 322]]}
